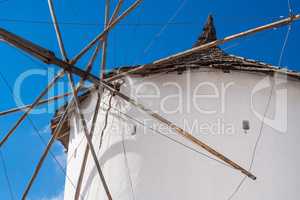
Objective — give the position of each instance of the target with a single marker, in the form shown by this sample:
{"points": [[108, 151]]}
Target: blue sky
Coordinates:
{"points": [[140, 38]]}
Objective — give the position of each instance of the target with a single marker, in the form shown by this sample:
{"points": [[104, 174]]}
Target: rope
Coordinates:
{"points": [[11, 192], [126, 158], [268, 104], [284, 44], [290, 7], [256, 143], [165, 26], [157, 35], [287, 33], [95, 24], [258, 139]]}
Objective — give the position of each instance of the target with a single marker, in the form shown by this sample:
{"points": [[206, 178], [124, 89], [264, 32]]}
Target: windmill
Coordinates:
{"points": [[109, 83]]}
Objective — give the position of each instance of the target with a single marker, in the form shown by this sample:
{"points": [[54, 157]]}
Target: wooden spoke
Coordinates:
{"points": [[25, 107], [88, 137], [65, 114], [46, 151], [87, 149], [41, 102], [101, 35], [57, 31], [57, 129], [31, 107], [104, 41], [116, 11], [95, 116], [282, 22]]}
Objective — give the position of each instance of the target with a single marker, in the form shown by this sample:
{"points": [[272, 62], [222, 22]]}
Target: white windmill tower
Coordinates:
{"points": [[215, 96], [188, 100]]}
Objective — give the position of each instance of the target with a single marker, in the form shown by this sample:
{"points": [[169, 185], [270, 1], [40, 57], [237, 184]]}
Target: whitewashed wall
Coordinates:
{"points": [[139, 164]]}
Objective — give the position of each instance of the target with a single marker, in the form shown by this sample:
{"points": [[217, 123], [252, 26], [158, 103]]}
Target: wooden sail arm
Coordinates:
{"points": [[37, 51], [215, 43], [57, 31], [104, 43], [106, 30], [41, 102], [87, 136]]}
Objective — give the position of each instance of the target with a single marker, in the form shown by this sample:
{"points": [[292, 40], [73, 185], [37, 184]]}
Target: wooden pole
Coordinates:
{"points": [[87, 149], [100, 92], [48, 57], [162, 61], [31, 107], [25, 107], [57, 30], [57, 129], [41, 102], [101, 35], [88, 137], [45, 153], [104, 41], [116, 11], [64, 117]]}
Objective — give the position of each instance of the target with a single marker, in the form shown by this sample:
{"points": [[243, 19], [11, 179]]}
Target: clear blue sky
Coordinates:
{"points": [[129, 44]]}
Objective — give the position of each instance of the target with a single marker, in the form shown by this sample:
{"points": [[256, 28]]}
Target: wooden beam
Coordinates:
{"points": [[104, 41], [45, 153], [97, 108], [104, 48], [36, 51], [101, 35], [58, 128], [22, 108], [279, 23], [162, 61], [41, 102], [61, 122], [87, 149], [88, 137], [48, 57], [32, 106], [57, 31], [116, 11], [64, 117]]}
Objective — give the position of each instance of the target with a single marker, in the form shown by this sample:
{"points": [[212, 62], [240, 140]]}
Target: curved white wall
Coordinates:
{"points": [[140, 164]]}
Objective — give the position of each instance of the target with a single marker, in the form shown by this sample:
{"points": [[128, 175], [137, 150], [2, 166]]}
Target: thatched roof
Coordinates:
{"points": [[211, 58]]}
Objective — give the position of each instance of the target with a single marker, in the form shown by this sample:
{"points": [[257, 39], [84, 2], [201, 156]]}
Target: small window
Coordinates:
{"points": [[246, 126]]}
